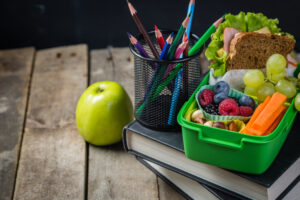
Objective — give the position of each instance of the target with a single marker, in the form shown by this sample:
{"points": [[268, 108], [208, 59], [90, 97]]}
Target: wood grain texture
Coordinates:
{"points": [[52, 160], [113, 173], [15, 70]]}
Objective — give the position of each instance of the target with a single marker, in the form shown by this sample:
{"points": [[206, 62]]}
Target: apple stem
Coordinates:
{"points": [[100, 90]]}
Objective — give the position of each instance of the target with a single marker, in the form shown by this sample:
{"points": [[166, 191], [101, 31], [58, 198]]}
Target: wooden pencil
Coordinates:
{"points": [[142, 29], [190, 12], [159, 38], [167, 45], [178, 38], [139, 47], [205, 36]]}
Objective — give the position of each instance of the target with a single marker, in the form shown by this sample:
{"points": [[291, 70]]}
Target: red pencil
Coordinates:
{"points": [[159, 38]]}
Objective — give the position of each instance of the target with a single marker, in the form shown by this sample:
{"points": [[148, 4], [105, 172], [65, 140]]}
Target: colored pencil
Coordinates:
{"points": [[159, 38], [178, 38], [165, 50], [163, 56], [205, 36], [139, 47], [142, 29], [190, 11]]}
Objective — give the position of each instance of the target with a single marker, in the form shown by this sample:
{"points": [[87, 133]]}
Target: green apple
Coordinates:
{"points": [[102, 111]]}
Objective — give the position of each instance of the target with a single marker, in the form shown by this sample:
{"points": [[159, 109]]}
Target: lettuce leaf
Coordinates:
{"points": [[245, 22], [258, 21]]}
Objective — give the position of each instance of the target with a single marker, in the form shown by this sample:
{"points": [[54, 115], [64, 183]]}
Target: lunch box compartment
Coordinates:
{"points": [[232, 150]]}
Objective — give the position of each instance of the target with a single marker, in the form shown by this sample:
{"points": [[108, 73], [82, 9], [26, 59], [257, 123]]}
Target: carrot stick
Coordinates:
{"points": [[276, 122], [256, 113], [258, 110], [270, 112], [268, 124]]}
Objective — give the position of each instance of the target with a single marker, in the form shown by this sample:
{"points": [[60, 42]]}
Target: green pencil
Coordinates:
{"points": [[205, 36], [178, 38]]}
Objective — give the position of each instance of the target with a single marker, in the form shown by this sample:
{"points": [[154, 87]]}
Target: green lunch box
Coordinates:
{"points": [[232, 150]]}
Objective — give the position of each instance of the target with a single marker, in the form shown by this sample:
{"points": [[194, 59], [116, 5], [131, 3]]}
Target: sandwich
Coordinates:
{"points": [[246, 41]]}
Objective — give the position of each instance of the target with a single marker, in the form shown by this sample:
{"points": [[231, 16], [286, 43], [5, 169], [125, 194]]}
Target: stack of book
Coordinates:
{"points": [[163, 153]]}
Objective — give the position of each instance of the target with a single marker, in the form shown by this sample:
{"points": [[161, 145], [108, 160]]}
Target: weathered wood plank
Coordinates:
{"points": [[113, 173], [15, 69], [52, 160]]}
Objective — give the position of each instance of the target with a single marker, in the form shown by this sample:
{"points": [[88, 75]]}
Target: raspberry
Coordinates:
{"points": [[229, 107], [246, 111], [206, 97]]}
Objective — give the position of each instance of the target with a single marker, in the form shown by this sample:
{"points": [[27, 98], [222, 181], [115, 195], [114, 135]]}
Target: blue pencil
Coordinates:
{"points": [[163, 56], [178, 80], [191, 9]]}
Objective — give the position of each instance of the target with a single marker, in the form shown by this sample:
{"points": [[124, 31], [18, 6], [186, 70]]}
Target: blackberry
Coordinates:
{"points": [[212, 109]]}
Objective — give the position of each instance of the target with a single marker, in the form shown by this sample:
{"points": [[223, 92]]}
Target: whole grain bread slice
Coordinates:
{"points": [[250, 50]]}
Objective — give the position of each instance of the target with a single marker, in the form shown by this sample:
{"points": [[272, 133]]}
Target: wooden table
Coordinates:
{"points": [[42, 156]]}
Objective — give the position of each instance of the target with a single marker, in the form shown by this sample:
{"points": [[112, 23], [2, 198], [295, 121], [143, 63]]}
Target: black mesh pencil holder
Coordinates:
{"points": [[156, 105]]}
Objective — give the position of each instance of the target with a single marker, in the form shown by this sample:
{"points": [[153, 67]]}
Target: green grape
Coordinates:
{"points": [[254, 78], [276, 63], [266, 89], [250, 91], [286, 88], [298, 75], [293, 80], [276, 77], [297, 102]]}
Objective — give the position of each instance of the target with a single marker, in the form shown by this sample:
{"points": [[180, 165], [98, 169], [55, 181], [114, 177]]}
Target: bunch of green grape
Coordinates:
{"points": [[257, 85]]}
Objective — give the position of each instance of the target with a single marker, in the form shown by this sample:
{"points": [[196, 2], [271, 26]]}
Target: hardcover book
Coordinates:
{"points": [[166, 149]]}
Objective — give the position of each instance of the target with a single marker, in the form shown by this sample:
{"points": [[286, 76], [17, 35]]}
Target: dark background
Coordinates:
{"points": [[99, 23]]}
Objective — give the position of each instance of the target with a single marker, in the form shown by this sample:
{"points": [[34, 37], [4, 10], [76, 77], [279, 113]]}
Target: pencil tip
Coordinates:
{"points": [[218, 22], [186, 21], [192, 1], [129, 35], [155, 27], [131, 8], [170, 38], [184, 36]]}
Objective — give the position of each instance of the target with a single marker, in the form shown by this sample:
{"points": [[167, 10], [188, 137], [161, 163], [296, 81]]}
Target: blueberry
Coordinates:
{"points": [[221, 86], [247, 101], [220, 97]]}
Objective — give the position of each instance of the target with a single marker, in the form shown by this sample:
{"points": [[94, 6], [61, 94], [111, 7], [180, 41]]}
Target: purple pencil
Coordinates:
{"points": [[139, 47]]}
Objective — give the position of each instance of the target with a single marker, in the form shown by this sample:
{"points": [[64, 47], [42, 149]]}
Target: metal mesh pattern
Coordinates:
{"points": [[155, 111]]}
